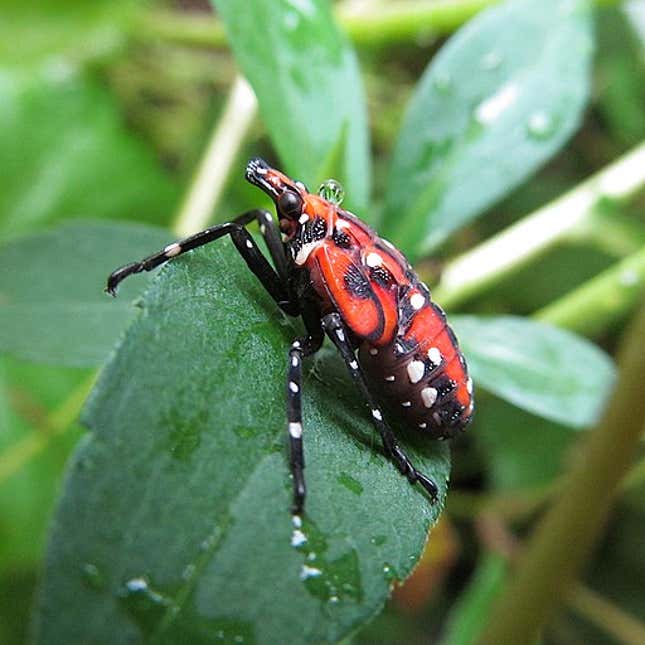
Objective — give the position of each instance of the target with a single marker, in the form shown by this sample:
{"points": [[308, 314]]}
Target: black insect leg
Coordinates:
{"points": [[338, 333], [300, 348], [244, 243]]}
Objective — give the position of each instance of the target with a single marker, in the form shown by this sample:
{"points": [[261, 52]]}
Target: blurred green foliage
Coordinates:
{"points": [[104, 118]]}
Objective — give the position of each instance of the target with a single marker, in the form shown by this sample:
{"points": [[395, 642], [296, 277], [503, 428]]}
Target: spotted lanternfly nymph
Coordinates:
{"points": [[355, 287]]}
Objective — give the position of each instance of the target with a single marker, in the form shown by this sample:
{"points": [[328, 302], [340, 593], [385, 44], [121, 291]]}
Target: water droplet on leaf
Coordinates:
{"points": [[540, 126], [92, 576]]}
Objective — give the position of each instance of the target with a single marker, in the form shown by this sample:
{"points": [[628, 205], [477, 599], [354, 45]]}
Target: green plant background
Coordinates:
{"points": [[499, 144]]}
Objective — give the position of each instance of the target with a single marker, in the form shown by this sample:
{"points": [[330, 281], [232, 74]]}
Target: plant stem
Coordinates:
{"points": [[598, 302], [56, 423], [375, 25], [612, 620], [517, 245], [560, 545], [210, 178]]}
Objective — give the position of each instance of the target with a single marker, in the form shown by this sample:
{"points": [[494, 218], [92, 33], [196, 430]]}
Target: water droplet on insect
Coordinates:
{"points": [[92, 576], [332, 191], [491, 61], [442, 82], [540, 126]]}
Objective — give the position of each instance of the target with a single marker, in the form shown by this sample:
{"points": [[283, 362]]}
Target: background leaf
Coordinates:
{"points": [[548, 371], [182, 488], [499, 99], [52, 305], [308, 85], [65, 153]]}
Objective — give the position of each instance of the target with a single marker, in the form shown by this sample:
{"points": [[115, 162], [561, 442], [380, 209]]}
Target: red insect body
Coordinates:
{"points": [[409, 353]]}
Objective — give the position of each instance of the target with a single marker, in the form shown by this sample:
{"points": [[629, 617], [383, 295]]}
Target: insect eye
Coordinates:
{"points": [[290, 204]]}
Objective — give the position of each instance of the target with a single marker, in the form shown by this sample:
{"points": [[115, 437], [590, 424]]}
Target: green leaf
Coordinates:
{"points": [[528, 459], [544, 370], [52, 305], [621, 76], [499, 99], [470, 614], [65, 153], [33, 30], [308, 84], [174, 524]]}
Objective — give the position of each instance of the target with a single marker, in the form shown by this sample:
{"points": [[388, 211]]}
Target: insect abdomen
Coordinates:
{"points": [[422, 375]]}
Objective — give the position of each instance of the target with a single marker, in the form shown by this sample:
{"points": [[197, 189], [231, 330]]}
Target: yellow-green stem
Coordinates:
{"points": [[594, 305], [210, 177], [376, 24], [519, 244], [547, 569]]}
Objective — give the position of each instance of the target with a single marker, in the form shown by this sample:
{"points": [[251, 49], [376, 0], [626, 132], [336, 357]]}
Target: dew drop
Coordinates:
{"points": [[92, 576], [332, 191], [491, 61], [540, 126], [442, 82]]}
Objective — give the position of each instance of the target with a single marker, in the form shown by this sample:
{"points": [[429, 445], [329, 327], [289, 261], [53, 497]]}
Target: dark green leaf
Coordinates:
{"points": [[52, 305], [500, 98], [621, 76], [174, 525], [64, 153], [308, 85], [548, 371]]}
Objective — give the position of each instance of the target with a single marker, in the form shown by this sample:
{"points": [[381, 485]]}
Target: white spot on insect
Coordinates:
{"points": [[294, 361], [376, 413], [300, 186], [423, 425], [416, 370], [406, 404], [295, 429], [294, 387], [298, 538], [353, 365], [249, 244], [296, 344], [437, 418], [417, 301], [341, 223], [373, 351], [469, 385], [388, 243], [390, 378], [172, 250], [341, 335], [434, 355], [296, 520], [263, 229], [428, 396], [309, 572], [305, 251], [304, 218], [373, 260], [268, 217]]}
